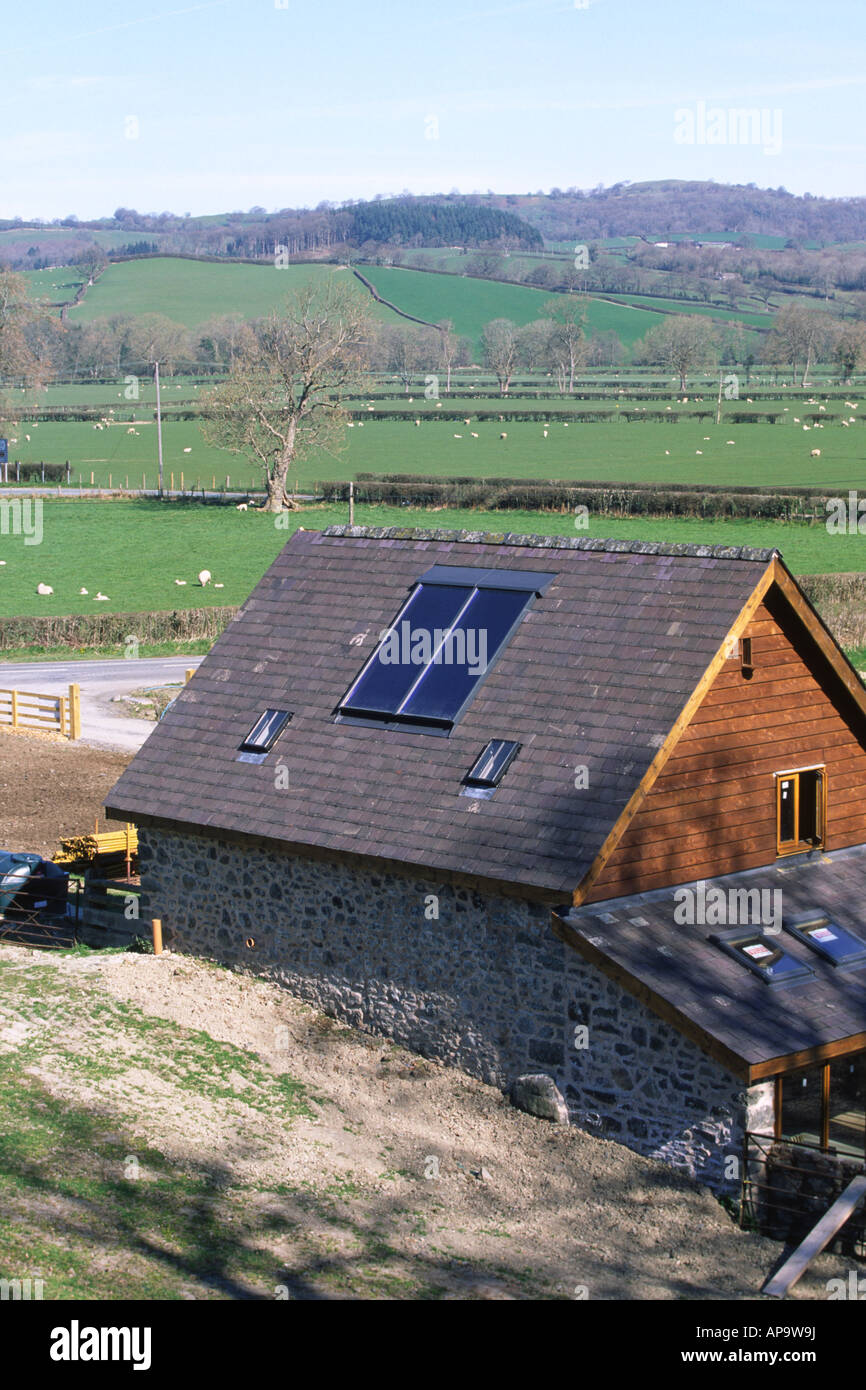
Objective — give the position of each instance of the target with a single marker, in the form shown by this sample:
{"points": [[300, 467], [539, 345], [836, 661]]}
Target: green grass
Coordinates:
{"points": [[133, 551], [773, 455], [471, 303], [748, 318], [189, 292]]}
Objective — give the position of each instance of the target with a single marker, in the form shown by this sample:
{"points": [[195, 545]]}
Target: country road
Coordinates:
{"points": [[100, 681]]}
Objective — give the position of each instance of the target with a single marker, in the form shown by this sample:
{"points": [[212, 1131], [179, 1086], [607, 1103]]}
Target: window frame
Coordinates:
{"points": [[786, 847], [823, 1117]]}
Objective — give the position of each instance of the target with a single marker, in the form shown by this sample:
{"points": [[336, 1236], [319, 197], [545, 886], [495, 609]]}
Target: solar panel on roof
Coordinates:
{"points": [[441, 645]]}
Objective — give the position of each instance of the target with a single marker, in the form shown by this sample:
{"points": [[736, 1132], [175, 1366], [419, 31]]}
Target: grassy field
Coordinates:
{"points": [[134, 551], [691, 451], [471, 303], [190, 292], [746, 317]]}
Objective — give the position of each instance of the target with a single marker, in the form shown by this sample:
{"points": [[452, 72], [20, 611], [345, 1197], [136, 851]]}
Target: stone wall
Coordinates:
{"points": [[477, 981]]}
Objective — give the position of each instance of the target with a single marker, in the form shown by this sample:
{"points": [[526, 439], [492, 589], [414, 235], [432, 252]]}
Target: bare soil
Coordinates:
{"points": [[51, 788], [401, 1178]]}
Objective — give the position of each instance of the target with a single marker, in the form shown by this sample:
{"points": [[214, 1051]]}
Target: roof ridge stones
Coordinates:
{"points": [[626, 547]]}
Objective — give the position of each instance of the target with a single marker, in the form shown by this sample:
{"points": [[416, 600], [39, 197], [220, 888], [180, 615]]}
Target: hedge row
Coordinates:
{"points": [[600, 500], [599, 483], [114, 629]]}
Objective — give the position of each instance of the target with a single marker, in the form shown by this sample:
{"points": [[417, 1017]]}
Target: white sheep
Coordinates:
{"points": [[816, 453], [503, 436], [101, 598], [242, 507], [458, 436], [219, 586], [204, 577], [474, 435], [131, 430], [188, 451], [44, 589], [845, 425], [180, 581], [82, 591]]}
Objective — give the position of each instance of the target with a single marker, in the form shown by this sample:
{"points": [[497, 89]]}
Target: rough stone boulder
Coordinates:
{"points": [[539, 1095]]}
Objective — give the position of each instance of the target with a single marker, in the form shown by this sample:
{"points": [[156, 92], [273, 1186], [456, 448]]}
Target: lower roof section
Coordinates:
{"points": [[649, 945]]}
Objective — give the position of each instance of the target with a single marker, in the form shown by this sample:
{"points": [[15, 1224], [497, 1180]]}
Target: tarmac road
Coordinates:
{"points": [[99, 682]]}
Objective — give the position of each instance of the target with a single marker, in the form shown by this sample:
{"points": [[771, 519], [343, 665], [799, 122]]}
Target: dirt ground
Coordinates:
{"points": [[400, 1179], [50, 788]]}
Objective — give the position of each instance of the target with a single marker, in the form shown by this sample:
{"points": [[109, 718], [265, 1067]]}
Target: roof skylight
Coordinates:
{"points": [[827, 939], [761, 955]]}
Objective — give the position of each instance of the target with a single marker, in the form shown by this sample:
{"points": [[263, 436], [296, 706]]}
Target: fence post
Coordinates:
{"points": [[188, 674], [157, 936], [14, 709], [74, 711], [63, 713]]}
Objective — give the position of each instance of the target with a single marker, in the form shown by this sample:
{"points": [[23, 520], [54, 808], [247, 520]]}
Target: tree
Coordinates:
{"points": [[683, 342], [93, 261], [501, 351], [849, 349], [283, 398], [18, 318], [800, 333], [567, 339], [533, 341], [452, 351]]}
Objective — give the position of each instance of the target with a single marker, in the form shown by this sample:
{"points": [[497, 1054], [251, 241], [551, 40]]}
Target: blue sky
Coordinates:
{"points": [[227, 104]]}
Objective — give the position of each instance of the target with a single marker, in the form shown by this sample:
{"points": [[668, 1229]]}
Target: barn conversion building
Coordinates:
{"points": [[593, 809]]}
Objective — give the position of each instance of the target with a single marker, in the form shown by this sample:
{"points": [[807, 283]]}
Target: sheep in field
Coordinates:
{"points": [[204, 577], [44, 589], [242, 507], [816, 453]]}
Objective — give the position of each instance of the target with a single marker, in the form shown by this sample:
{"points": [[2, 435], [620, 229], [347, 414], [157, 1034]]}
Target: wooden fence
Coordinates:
{"points": [[24, 709]]}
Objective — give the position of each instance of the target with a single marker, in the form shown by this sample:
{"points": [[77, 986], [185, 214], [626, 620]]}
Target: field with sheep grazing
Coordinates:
{"points": [[146, 555], [692, 451]]}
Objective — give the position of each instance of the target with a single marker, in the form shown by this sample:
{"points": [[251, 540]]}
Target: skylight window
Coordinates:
{"points": [[266, 730], [430, 662], [827, 939], [763, 957], [487, 772]]}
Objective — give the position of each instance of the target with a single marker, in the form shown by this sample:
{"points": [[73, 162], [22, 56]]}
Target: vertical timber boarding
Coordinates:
{"points": [[712, 808]]}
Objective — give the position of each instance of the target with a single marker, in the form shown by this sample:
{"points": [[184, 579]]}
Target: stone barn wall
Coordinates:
{"points": [[484, 986]]}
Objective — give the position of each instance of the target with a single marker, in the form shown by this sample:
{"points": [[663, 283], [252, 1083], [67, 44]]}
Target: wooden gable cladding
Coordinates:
{"points": [[711, 808]]}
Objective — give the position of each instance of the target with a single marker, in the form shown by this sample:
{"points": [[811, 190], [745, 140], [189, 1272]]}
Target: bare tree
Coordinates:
{"points": [[501, 351], [567, 339], [683, 342], [283, 398], [801, 333], [18, 318]]}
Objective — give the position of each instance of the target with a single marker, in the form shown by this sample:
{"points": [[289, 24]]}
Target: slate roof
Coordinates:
{"points": [[595, 675], [757, 1023]]}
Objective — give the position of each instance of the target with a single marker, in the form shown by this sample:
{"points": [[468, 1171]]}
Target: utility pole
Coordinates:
{"points": [[719, 406], [158, 423]]}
